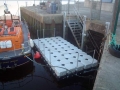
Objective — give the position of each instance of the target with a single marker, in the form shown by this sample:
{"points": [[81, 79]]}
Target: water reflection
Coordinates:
{"points": [[85, 82], [16, 77], [32, 76]]}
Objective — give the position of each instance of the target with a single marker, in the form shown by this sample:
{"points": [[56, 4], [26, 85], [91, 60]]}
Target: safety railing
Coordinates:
{"points": [[44, 32], [79, 17], [75, 12]]}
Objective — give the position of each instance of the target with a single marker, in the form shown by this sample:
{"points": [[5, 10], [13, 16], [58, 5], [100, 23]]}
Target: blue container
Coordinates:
{"points": [[53, 8]]}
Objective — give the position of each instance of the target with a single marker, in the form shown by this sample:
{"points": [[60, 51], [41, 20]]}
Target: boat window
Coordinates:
{"points": [[12, 29], [16, 23]]}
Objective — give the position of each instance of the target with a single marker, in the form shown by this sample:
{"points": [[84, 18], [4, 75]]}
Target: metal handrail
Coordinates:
{"points": [[73, 29], [78, 15]]}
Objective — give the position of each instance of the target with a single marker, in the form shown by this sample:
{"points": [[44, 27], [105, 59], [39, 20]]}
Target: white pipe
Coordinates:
{"points": [[108, 31], [107, 27]]}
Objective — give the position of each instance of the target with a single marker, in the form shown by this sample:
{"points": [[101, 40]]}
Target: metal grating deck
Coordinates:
{"points": [[59, 52]]}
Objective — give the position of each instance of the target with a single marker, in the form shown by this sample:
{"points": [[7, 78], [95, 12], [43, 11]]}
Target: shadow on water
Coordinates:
{"points": [[83, 82], [16, 77], [32, 76]]}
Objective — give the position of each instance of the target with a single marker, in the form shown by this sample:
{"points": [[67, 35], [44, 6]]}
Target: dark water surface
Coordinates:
{"points": [[32, 76]]}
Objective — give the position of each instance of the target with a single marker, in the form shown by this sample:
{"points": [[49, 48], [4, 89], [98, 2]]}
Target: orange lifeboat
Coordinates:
{"points": [[11, 31], [1, 31]]}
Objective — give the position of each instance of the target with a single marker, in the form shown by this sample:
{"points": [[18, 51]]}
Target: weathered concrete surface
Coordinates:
{"points": [[108, 77], [95, 25], [42, 15], [104, 7], [109, 70], [105, 16]]}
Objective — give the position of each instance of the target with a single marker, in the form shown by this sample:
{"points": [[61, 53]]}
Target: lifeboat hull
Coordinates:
{"points": [[15, 61]]}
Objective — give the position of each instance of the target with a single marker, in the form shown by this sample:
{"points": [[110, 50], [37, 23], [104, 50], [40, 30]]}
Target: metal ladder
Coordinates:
{"points": [[76, 27], [76, 30]]}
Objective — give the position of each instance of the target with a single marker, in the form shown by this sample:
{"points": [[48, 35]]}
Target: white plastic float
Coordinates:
{"points": [[6, 44], [59, 52]]}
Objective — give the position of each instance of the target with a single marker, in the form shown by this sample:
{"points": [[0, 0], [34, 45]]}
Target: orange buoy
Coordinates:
{"points": [[37, 55]]}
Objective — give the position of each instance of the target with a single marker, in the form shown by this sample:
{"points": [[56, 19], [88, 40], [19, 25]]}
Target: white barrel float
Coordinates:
{"points": [[8, 44], [2, 44], [5, 44]]}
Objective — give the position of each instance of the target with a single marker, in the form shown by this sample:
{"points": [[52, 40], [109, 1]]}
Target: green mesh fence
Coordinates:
{"points": [[113, 41], [116, 16]]}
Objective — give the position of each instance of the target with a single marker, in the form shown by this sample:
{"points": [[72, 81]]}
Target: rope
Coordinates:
{"points": [[59, 67]]}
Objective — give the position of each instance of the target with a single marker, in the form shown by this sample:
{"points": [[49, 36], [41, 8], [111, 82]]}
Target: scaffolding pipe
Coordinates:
{"points": [[26, 4], [54, 32], [115, 16], [107, 27], [83, 32], [64, 26], [68, 6], [38, 37], [43, 33], [108, 31], [34, 2]]}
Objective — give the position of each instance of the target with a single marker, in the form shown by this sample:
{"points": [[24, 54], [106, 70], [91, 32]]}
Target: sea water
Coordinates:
{"points": [[32, 76]]}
